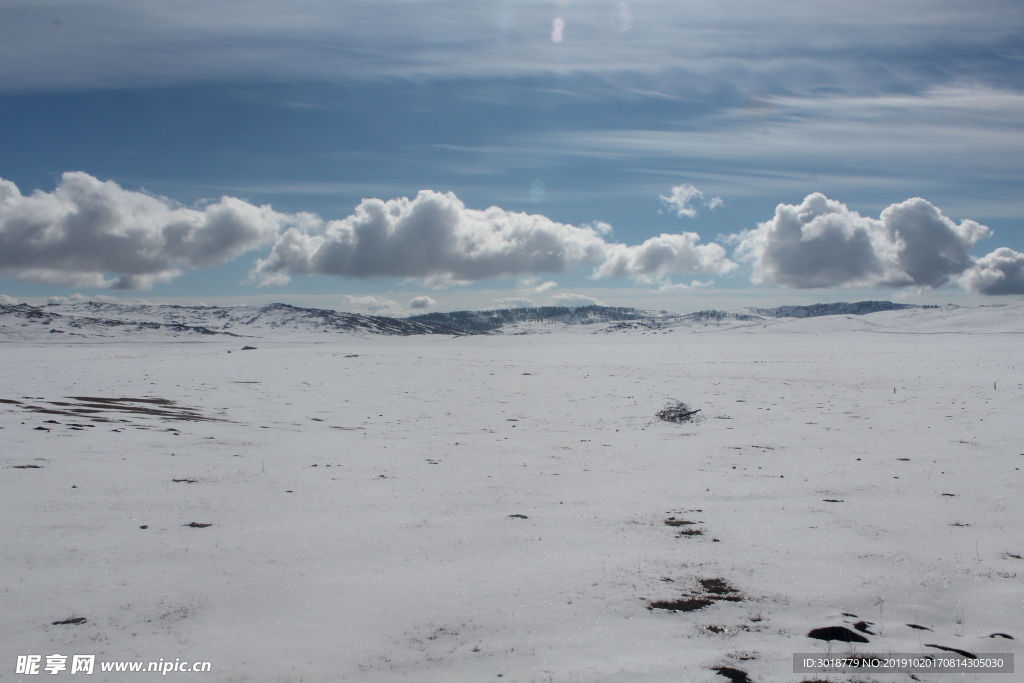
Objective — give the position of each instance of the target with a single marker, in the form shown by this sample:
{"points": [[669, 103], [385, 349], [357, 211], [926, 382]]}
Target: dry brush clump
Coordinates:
{"points": [[677, 412]]}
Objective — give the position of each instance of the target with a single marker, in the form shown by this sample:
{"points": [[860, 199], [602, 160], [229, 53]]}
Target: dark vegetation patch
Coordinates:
{"points": [[248, 348], [720, 589], [734, 675], [70, 620], [184, 481], [832, 500], [919, 627], [518, 516], [965, 653], [1001, 635], [682, 604], [690, 532], [862, 626], [27, 467], [677, 412], [672, 521], [840, 633], [197, 525], [710, 592], [91, 407]]}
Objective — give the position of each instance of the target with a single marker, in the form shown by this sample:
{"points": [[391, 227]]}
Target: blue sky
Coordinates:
{"points": [[397, 157]]}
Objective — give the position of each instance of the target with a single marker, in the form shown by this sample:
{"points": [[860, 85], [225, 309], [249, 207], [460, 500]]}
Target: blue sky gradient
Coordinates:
{"points": [[311, 107]]}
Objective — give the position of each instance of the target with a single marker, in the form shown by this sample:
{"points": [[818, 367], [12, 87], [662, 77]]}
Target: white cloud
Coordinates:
{"points": [[1000, 272], [373, 305], [571, 299], [82, 298], [822, 243], [436, 239], [686, 200], [157, 44], [90, 233], [7, 300], [549, 285], [421, 302], [514, 302], [659, 257]]}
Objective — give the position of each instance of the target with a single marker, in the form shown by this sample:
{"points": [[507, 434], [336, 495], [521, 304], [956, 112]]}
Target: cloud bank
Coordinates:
{"points": [[91, 233], [435, 238], [822, 243], [87, 229]]}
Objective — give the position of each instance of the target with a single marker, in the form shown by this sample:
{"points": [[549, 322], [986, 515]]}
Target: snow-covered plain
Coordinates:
{"points": [[361, 494]]}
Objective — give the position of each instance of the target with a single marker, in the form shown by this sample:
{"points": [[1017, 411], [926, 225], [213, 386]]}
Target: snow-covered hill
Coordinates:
{"points": [[97, 320], [147, 322]]}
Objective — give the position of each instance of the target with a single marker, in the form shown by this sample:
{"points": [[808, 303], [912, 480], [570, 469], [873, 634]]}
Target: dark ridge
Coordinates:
{"points": [[838, 308], [488, 321], [919, 627]]}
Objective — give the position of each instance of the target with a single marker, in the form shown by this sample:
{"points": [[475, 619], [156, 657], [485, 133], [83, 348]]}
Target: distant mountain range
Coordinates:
{"points": [[145, 321]]}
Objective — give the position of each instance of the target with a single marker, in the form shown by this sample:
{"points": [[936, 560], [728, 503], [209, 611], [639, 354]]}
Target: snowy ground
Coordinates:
{"points": [[361, 492]]}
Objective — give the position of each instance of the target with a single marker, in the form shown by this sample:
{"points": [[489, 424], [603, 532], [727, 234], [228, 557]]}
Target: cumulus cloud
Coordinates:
{"points": [[822, 243], [373, 305], [547, 286], [659, 257], [570, 299], [7, 300], [1000, 272], [421, 302], [435, 238], [686, 200], [90, 233], [77, 298], [514, 302]]}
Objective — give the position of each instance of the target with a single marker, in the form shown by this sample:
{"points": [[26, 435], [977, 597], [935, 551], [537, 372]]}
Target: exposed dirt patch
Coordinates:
{"points": [[710, 592], [672, 521], [70, 621], [184, 481], [919, 627], [734, 675], [690, 532], [839, 633], [965, 653], [682, 604], [27, 467], [93, 407], [197, 525]]}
